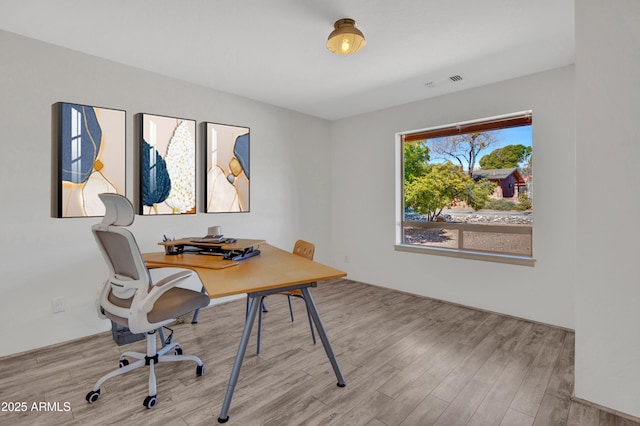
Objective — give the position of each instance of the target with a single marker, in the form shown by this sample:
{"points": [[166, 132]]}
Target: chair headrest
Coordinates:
{"points": [[119, 210]]}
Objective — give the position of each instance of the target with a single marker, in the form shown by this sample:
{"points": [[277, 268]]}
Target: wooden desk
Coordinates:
{"points": [[272, 271]]}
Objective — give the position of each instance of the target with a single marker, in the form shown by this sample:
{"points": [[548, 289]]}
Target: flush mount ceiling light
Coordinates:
{"points": [[345, 38]]}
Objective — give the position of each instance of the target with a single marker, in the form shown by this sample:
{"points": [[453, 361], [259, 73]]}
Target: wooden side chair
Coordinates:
{"points": [[307, 250]]}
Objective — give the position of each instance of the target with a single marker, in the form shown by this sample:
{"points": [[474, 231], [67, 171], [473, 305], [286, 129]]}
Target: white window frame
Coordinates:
{"points": [[449, 252]]}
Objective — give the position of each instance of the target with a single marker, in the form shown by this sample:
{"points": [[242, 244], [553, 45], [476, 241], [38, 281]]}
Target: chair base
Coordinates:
{"points": [[171, 352]]}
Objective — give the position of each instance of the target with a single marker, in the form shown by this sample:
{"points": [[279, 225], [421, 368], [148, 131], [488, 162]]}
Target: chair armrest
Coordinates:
{"points": [[162, 286]]}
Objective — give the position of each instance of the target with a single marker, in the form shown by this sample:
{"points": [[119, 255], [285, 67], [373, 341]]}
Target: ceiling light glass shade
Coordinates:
{"points": [[345, 38]]}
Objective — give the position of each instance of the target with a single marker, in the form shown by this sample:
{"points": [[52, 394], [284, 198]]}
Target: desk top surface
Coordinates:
{"points": [[273, 268]]}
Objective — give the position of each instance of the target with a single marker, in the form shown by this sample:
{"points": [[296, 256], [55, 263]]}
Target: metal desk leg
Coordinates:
{"points": [[194, 320], [311, 308], [235, 371]]}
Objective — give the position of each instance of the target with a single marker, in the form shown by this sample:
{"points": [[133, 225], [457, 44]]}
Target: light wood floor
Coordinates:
{"points": [[407, 360]]}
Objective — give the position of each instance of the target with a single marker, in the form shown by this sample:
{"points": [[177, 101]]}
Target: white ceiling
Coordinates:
{"points": [[274, 50]]}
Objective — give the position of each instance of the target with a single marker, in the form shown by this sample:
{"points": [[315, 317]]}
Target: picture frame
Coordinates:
{"points": [[227, 172], [91, 157], [167, 166]]}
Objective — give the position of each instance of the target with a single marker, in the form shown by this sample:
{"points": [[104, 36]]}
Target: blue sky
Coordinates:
{"points": [[513, 136]]}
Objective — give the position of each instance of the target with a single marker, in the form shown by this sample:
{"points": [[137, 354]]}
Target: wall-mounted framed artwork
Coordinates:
{"points": [[167, 165], [227, 168], [91, 157]]}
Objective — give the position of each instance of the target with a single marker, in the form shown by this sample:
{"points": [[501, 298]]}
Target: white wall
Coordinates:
{"points": [[608, 147], [363, 193], [43, 257]]}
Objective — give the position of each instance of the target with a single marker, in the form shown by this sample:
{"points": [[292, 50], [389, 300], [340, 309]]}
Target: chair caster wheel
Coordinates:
{"points": [[150, 401], [200, 370], [93, 396], [123, 362], [177, 351]]}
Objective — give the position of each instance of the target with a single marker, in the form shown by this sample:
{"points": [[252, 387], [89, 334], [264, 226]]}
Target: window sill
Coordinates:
{"points": [[467, 254]]}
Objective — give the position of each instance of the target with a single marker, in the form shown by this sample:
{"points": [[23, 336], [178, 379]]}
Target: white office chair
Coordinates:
{"points": [[130, 298]]}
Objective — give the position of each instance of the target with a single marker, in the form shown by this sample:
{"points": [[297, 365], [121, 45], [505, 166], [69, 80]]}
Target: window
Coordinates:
{"points": [[466, 189]]}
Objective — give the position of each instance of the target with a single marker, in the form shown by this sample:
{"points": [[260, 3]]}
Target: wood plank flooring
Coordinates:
{"points": [[407, 360]]}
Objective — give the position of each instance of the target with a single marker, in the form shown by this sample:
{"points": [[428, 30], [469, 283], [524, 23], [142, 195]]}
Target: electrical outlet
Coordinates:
{"points": [[346, 259], [58, 304]]}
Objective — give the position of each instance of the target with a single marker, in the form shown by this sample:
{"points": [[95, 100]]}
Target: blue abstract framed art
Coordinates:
{"points": [[91, 158], [167, 165], [227, 174]]}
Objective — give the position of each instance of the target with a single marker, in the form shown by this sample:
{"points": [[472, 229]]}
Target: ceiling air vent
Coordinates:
{"points": [[455, 78]]}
